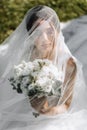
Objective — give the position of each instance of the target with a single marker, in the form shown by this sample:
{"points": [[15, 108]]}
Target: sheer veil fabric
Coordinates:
{"points": [[15, 109]]}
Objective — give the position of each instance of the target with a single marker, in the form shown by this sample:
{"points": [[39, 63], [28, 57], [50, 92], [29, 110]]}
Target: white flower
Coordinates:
{"points": [[45, 84], [17, 71], [31, 86], [39, 74], [41, 82], [30, 66]]}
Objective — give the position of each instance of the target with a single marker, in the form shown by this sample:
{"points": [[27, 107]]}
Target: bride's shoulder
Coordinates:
{"points": [[71, 69], [71, 62]]}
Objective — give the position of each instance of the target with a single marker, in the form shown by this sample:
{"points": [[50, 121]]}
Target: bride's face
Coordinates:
{"points": [[45, 40]]}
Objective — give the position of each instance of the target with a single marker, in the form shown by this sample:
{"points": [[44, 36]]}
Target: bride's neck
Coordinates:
{"points": [[42, 55]]}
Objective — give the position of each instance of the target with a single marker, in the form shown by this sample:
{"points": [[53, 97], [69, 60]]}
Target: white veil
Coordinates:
{"points": [[15, 110]]}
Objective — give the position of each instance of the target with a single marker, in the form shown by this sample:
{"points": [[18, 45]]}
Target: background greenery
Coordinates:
{"points": [[13, 11]]}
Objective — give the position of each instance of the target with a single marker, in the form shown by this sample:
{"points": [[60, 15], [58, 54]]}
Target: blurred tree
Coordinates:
{"points": [[13, 11]]}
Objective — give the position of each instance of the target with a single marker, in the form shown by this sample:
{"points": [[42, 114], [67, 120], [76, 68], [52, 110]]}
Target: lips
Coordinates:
{"points": [[45, 45]]}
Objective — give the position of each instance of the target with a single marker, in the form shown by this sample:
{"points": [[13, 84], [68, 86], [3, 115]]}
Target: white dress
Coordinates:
{"points": [[15, 109]]}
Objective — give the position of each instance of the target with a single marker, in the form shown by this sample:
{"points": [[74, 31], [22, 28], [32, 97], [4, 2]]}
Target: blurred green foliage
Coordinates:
{"points": [[13, 11]]}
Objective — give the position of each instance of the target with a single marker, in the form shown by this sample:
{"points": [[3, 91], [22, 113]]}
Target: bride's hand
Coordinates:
{"points": [[39, 103], [54, 110]]}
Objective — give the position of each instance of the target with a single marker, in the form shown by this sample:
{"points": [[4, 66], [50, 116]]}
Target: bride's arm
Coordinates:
{"points": [[70, 74], [69, 81]]}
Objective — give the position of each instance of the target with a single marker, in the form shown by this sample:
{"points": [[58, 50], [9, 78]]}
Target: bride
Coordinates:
{"points": [[39, 37]]}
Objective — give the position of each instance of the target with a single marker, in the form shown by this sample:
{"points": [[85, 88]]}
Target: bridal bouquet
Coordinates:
{"points": [[39, 78]]}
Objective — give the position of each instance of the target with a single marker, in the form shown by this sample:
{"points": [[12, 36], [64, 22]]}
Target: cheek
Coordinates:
{"points": [[51, 45], [37, 44]]}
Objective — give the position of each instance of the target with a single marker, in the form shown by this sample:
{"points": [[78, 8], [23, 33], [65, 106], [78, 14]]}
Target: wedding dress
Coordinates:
{"points": [[15, 109]]}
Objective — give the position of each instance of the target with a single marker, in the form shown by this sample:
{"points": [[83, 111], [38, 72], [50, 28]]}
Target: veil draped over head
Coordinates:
{"points": [[15, 110]]}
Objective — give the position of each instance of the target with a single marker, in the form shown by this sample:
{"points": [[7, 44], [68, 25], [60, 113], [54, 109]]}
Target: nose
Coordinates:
{"points": [[45, 37]]}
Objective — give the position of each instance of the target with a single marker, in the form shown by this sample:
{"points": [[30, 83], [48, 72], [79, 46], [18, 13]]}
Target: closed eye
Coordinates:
{"points": [[49, 31]]}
